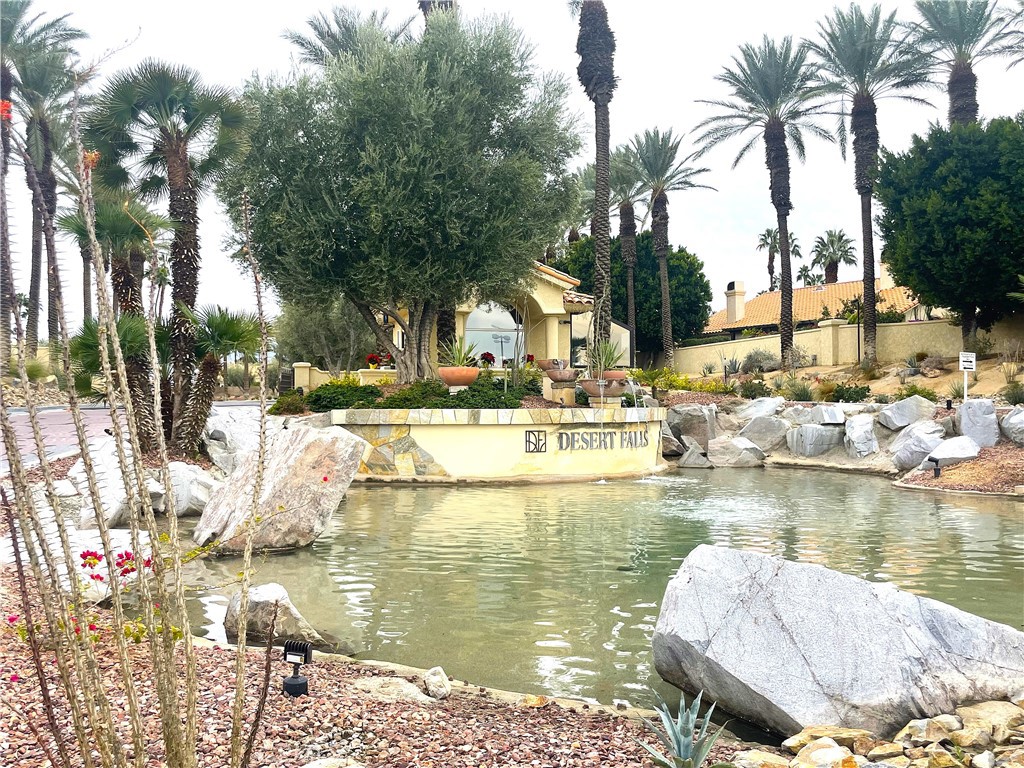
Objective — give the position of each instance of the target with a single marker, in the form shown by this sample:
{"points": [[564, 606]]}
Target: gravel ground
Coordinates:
{"points": [[996, 470], [336, 721], [700, 398]]}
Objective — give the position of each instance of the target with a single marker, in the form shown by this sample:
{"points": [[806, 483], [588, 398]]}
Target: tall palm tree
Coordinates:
{"points": [[769, 241], [864, 58], [175, 133], [335, 34], [959, 33], [831, 250], [774, 100], [661, 171], [596, 71], [24, 36], [627, 190]]}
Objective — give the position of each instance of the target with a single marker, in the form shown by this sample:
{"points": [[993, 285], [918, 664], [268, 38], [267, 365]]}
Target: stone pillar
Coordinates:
{"points": [[551, 336], [828, 331], [302, 373]]}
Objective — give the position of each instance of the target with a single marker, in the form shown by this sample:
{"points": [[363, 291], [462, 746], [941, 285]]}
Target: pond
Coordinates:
{"points": [[554, 589]]}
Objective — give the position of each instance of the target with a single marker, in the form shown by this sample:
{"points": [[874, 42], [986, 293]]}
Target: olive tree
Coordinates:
{"points": [[410, 176]]}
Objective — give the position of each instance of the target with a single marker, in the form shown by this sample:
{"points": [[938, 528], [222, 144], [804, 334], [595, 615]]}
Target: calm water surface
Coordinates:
{"points": [[555, 588]]}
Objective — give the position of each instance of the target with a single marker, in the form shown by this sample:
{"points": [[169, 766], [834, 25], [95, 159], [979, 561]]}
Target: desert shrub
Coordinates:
{"points": [[484, 393], [234, 376], [732, 366], [919, 356], [955, 390], [883, 399], [891, 315], [672, 380], [1014, 393], [826, 390], [288, 404], [851, 393], [702, 340], [707, 369], [755, 388], [909, 390], [582, 398], [329, 397], [797, 391], [936, 363], [798, 357], [760, 361]]}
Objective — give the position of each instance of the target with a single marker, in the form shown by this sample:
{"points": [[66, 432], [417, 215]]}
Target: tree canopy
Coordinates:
{"points": [[953, 218], [410, 175], [690, 289]]}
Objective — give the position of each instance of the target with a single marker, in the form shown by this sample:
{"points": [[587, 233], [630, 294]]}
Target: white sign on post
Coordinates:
{"points": [[968, 362]]}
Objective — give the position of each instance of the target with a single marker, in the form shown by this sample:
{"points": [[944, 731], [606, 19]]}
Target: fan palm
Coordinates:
{"points": [[865, 57], [769, 241], [774, 101], [831, 250], [332, 35], [656, 156], [957, 34], [159, 127], [596, 71], [627, 190], [583, 213], [807, 277]]}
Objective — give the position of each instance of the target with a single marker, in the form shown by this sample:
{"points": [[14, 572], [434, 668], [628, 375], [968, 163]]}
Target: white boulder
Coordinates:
{"points": [[905, 412], [114, 497], [306, 475], [766, 432], [797, 414], [787, 645], [693, 420], [436, 683], [811, 440], [952, 451], [694, 457], [1012, 425], [828, 415], [860, 440], [762, 406], [915, 442], [734, 452], [233, 432], [265, 602], [192, 487], [977, 419]]}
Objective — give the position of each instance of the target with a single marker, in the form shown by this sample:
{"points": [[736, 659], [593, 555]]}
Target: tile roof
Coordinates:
{"points": [[807, 303]]}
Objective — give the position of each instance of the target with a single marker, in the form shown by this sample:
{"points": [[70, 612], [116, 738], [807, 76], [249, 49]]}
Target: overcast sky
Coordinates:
{"points": [[668, 53]]}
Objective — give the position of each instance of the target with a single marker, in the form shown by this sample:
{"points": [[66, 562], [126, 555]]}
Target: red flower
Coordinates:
{"points": [[12, 618], [14, 678], [90, 159], [90, 558], [96, 576], [325, 478], [487, 357], [5, 110], [373, 359], [92, 627], [529, 358]]}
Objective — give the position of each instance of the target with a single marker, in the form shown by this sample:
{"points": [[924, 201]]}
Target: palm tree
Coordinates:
{"points": [[830, 250], [180, 133], [956, 34], [596, 71], [769, 241], [24, 36], [660, 171], [865, 57], [583, 212], [332, 35], [774, 100], [627, 190], [807, 277]]}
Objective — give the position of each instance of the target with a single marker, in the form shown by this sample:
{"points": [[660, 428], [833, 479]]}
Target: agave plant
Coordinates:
{"points": [[457, 353], [686, 745]]}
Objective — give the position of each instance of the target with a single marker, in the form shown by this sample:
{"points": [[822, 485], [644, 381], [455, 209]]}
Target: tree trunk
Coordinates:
{"points": [[446, 325], [771, 267], [600, 228], [832, 272], [659, 228], [127, 294], [969, 329], [86, 283], [864, 125], [410, 362], [48, 182], [627, 242], [199, 405], [184, 271], [35, 271], [962, 88], [777, 161]]}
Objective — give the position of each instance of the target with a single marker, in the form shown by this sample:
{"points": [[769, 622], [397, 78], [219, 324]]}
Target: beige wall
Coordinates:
{"points": [[836, 344]]}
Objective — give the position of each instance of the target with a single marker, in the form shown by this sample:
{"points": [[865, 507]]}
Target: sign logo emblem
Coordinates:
{"points": [[536, 441]]}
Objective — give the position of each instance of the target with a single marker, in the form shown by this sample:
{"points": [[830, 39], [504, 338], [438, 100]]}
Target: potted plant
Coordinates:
{"points": [[603, 358], [458, 364], [373, 360], [387, 361]]}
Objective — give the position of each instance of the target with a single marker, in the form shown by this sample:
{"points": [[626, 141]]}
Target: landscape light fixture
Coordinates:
{"points": [[297, 653], [949, 405]]}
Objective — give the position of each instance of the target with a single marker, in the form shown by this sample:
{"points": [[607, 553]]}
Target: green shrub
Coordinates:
{"points": [[288, 404], [582, 398], [419, 394], [487, 394], [273, 375], [851, 393], [909, 390], [755, 388], [797, 391], [707, 369], [1014, 393], [883, 399], [234, 376], [328, 397], [956, 390], [760, 361], [701, 341], [919, 356]]}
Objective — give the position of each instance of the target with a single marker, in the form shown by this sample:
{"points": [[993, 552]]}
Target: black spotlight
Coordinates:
{"points": [[949, 405], [297, 652]]}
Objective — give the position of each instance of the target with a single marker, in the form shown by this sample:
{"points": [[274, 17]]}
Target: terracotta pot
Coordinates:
{"points": [[615, 375], [562, 374], [603, 387], [547, 365], [461, 376]]}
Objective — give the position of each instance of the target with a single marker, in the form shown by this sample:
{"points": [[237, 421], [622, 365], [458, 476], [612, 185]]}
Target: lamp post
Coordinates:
{"points": [[501, 339]]}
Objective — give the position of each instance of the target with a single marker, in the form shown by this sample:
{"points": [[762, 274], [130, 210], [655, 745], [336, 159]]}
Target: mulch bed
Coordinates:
{"points": [[336, 720], [699, 398], [59, 467], [996, 470]]}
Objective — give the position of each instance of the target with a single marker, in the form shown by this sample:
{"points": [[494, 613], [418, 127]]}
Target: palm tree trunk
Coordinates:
{"points": [[659, 228], [200, 402], [627, 242], [86, 282], [185, 271], [962, 88], [127, 293], [832, 272], [864, 125], [600, 228], [771, 267], [48, 182], [35, 274], [777, 160]]}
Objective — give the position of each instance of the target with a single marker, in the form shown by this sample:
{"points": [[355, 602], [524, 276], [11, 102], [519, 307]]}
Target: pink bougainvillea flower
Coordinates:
{"points": [[5, 110], [96, 576], [15, 678], [12, 618], [325, 478], [90, 558], [92, 627]]}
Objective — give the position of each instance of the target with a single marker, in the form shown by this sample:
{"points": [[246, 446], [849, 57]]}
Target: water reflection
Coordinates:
{"points": [[555, 588]]}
